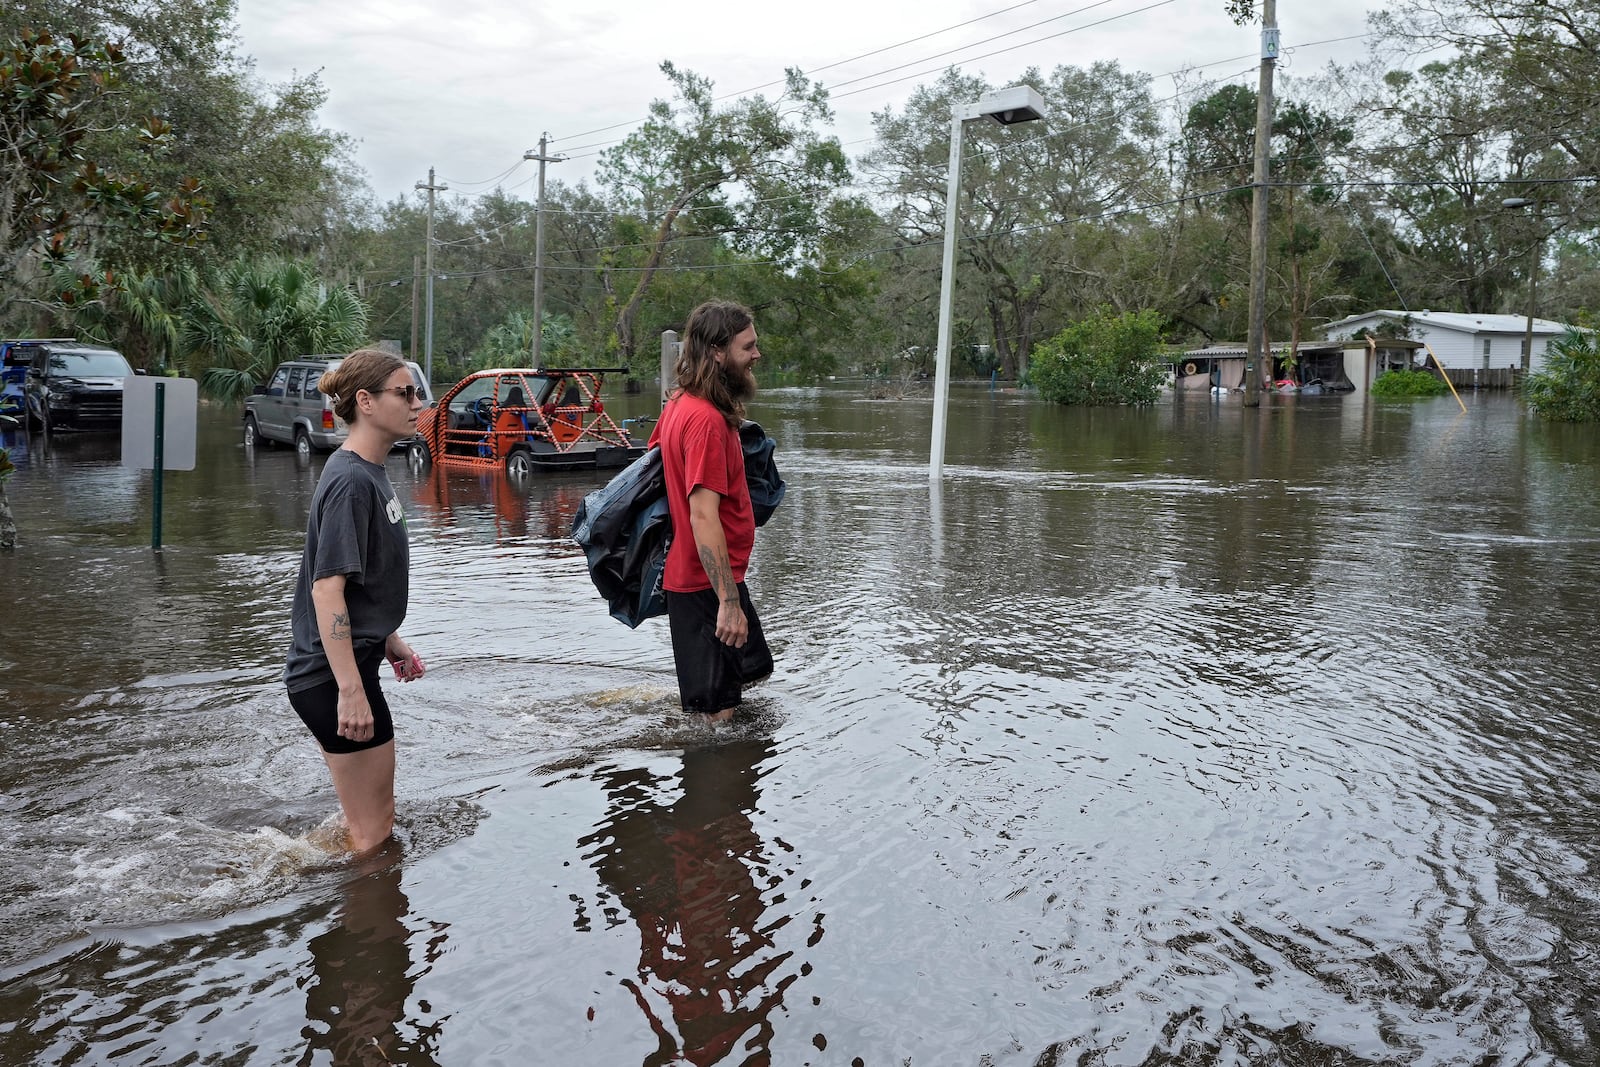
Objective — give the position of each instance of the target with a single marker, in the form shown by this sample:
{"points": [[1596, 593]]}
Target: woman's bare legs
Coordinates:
{"points": [[365, 783]]}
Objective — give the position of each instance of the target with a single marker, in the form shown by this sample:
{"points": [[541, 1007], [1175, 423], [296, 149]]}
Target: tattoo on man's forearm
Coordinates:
{"points": [[720, 573], [341, 627]]}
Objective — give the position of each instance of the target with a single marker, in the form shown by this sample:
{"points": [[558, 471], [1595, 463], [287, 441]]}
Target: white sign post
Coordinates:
{"points": [[158, 431]]}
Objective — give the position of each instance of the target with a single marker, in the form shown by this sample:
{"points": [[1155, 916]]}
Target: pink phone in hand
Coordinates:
{"points": [[408, 670]]}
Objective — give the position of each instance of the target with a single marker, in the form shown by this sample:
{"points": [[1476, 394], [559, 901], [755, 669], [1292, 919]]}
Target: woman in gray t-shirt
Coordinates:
{"points": [[350, 597]]}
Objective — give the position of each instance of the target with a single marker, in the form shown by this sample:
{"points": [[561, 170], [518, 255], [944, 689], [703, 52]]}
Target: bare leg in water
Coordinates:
{"points": [[364, 781]]}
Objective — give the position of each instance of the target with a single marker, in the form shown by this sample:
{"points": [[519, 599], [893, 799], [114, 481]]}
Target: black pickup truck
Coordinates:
{"points": [[69, 385]]}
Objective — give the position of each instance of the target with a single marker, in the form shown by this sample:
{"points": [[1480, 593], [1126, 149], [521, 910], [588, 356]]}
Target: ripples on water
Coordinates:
{"points": [[1149, 747]]}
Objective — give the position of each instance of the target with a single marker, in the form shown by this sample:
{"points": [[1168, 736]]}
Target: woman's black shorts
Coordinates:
{"points": [[710, 673], [318, 708]]}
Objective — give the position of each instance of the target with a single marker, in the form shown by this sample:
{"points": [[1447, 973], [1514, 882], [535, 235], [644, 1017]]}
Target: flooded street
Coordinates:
{"points": [[1192, 735]]}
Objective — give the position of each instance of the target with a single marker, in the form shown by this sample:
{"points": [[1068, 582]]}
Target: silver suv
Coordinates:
{"points": [[291, 409]]}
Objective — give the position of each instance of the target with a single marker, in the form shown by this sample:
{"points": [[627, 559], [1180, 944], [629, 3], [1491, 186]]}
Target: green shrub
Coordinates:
{"points": [[1568, 389], [1105, 360], [1409, 383]]}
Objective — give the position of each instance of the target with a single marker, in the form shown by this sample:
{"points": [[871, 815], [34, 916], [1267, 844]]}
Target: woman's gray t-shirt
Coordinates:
{"points": [[356, 529]]}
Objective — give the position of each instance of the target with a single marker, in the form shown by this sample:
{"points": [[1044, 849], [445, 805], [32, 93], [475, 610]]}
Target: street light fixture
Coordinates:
{"points": [[1019, 103]]}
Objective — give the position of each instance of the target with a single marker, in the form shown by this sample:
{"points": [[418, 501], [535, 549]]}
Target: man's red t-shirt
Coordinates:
{"points": [[699, 448]]}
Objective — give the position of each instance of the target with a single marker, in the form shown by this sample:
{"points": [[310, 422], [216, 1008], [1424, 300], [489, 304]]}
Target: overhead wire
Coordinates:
{"points": [[486, 181], [1149, 7], [691, 208], [1001, 51], [1174, 73], [829, 66], [574, 153], [577, 151]]}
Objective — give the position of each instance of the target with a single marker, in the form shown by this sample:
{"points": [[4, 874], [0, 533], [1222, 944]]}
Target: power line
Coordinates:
{"points": [[829, 66], [914, 40], [1002, 51], [996, 37], [1012, 48], [572, 153], [486, 181], [577, 152]]}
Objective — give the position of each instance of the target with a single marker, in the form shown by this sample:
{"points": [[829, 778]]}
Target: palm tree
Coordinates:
{"points": [[253, 315], [510, 343], [1568, 389], [153, 305]]}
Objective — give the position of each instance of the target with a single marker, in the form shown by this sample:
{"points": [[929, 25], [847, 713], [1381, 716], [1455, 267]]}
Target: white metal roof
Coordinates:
{"points": [[1458, 321]]}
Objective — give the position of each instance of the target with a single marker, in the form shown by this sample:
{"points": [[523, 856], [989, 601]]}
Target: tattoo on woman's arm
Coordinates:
{"points": [[341, 627]]}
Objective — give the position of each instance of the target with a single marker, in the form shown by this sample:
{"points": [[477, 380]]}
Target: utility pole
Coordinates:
{"points": [[1255, 369], [1533, 304], [538, 247], [416, 283], [427, 360], [1535, 254]]}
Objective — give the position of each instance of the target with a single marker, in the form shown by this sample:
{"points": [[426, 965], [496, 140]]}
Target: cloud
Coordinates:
{"points": [[467, 86]]}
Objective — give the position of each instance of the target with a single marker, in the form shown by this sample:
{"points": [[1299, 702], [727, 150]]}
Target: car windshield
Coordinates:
{"points": [[89, 364], [473, 390]]}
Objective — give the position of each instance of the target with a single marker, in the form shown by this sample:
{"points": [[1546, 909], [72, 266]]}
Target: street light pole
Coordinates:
{"points": [[1020, 103], [538, 247], [947, 280]]}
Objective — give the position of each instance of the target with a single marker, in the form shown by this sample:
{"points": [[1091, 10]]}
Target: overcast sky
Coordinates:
{"points": [[467, 86]]}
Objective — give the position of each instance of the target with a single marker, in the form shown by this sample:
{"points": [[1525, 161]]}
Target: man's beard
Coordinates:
{"points": [[741, 384]]}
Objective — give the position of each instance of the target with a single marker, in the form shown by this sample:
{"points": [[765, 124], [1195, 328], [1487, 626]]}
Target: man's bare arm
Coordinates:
{"points": [[711, 542]]}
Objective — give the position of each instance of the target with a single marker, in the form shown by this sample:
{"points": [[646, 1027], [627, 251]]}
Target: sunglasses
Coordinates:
{"points": [[408, 393]]}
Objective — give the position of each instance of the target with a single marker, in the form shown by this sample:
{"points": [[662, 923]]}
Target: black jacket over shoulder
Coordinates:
{"points": [[624, 528], [760, 471]]}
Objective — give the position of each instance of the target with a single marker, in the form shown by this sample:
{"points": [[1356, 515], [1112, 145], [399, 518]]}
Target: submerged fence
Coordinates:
{"points": [[1480, 378]]}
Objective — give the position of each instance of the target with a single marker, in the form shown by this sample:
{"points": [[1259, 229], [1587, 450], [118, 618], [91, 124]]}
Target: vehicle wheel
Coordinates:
{"points": [[519, 464], [302, 444], [252, 434], [418, 457]]}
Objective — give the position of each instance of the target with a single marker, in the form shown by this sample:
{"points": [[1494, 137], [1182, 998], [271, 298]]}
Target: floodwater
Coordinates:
{"points": [[1192, 735]]}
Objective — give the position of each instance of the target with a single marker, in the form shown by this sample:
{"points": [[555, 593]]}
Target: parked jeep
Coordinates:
{"points": [[72, 386], [290, 409]]}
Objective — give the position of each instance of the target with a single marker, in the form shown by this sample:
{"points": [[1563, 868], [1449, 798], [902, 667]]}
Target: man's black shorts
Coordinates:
{"points": [[710, 673], [318, 708]]}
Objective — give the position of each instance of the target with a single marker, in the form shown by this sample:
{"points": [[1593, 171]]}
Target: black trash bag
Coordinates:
{"points": [[624, 530], [760, 471]]}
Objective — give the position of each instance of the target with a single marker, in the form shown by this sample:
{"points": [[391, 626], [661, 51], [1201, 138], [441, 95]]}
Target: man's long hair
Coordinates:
{"points": [[713, 325]]}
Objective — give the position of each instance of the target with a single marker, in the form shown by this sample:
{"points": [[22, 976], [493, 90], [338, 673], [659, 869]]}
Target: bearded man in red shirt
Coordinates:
{"points": [[717, 643]]}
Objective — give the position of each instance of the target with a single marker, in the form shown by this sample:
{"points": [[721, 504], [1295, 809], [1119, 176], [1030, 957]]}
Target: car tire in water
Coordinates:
{"points": [[519, 464], [302, 444], [252, 434], [418, 457]]}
